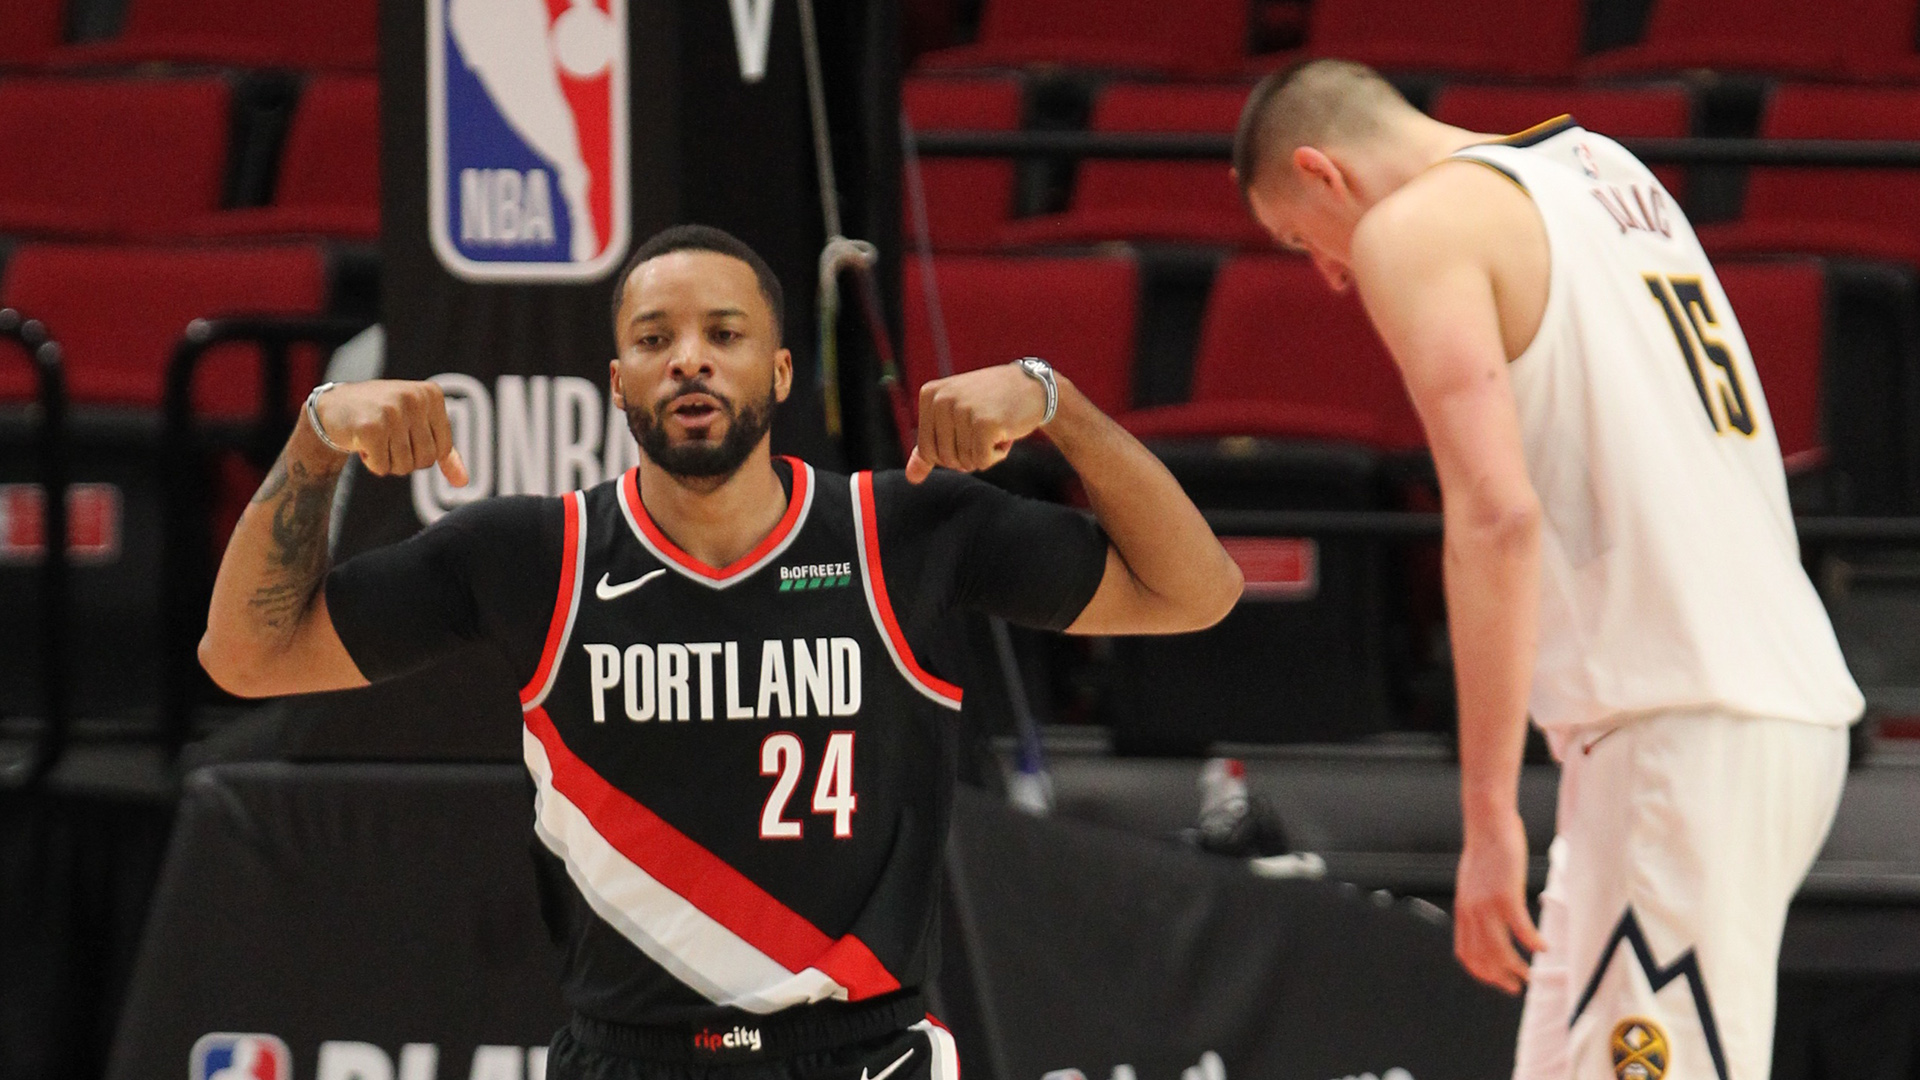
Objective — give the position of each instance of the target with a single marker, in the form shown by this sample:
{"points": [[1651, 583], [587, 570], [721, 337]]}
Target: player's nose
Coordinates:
{"points": [[690, 359]]}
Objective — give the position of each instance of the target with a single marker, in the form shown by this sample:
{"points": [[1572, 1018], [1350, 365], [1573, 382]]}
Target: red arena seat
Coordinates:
{"points": [[61, 175], [1781, 305], [1077, 313], [30, 30], [1618, 111], [1874, 213], [300, 34], [1196, 37], [968, 199], [1499, 37], [1864, 38], [119, 311], [1283, 357], [329, 180], [1176, 201]]}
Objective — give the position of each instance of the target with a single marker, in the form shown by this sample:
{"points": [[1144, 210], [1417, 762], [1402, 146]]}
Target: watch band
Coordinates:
{"points": [[1042, 372], [313, 417]]}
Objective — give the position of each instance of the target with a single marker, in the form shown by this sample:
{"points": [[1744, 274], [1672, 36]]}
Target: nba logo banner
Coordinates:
{"points": [[527, 133], [226, 1056]]}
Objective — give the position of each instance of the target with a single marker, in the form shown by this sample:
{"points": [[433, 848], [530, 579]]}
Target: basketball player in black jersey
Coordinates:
{"points": [[743, 765]]}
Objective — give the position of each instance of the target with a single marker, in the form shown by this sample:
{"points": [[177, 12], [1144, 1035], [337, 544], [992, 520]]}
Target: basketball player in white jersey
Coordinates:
{"points": [[1620, 562]]}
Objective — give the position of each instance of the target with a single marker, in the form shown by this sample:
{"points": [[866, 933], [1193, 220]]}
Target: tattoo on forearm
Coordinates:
{"points": [[299, 501]]}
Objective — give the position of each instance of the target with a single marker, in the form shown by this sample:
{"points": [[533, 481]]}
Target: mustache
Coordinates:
{"points": [[691, 386]]}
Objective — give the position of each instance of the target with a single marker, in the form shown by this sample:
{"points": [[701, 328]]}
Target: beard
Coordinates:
{"points": [[701, 460]]}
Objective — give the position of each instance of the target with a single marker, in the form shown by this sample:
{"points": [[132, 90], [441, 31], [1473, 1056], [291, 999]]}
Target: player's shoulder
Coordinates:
{"points": [[1457, 211], [506, 521], [944, 495]]}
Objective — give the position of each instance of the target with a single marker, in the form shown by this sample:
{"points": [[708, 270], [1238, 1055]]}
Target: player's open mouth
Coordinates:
{"points": [[696, 409]]}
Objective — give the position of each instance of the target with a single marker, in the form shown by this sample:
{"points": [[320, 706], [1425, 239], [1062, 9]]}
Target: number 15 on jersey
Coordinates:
{"points": [[1718, 381]]}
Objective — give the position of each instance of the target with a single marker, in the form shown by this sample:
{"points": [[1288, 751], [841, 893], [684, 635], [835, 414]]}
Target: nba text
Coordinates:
{"points": [[527, 435], [670, 681]]}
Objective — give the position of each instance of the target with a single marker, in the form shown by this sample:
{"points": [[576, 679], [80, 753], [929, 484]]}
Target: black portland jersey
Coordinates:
{"points": [[744, 771]]}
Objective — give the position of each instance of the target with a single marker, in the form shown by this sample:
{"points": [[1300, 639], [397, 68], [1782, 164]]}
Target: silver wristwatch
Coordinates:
{"points": [[313, 417], [1043, 372]]}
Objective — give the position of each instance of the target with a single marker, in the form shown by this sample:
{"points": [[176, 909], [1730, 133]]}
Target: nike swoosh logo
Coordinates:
{"points": [[606, 591], [888, 1071]]}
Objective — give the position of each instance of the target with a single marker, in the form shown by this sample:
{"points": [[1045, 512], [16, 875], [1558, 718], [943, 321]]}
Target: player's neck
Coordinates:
{"points": [[1417, 145], [716, 522]]}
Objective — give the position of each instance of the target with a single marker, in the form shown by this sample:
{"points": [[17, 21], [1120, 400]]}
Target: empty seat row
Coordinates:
{"points": [[119, 311], [1871, 39], [1860, 212], [144, 157], [295, 34], [1281, 357]]}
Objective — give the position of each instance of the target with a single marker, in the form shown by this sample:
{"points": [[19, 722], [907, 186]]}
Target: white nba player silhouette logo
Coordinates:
{"points": [[527, 131]]}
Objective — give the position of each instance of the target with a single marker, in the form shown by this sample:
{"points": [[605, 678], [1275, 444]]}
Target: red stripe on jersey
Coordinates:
{"points": [[705, 880], [563, 606], [795, 503], [870, 539]]}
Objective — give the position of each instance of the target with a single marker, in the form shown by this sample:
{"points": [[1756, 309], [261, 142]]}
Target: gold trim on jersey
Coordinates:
{"points": [[1538, 133]]}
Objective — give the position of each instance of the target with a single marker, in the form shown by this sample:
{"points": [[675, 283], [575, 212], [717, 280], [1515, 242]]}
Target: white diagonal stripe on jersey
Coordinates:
{"points": [[672, 932], [873, 605]]}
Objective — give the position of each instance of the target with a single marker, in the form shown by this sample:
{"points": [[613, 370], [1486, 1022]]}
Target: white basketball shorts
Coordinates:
{"points": [[1681, 839]]}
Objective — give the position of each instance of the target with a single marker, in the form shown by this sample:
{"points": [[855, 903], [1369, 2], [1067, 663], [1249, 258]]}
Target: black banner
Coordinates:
{"points": [[380, 922], [1096, 954], [345, 922]]}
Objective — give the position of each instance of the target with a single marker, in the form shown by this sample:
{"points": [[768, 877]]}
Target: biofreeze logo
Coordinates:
{"points": [[739, 1038], [671, 681], [822, 576]]}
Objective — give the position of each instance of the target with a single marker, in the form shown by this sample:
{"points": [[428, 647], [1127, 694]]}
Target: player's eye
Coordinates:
{"points": [[651, 341], [723, 336]]}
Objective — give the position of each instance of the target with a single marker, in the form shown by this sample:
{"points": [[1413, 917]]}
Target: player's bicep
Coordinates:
{"points": [[1124, 605], [316, 659]]}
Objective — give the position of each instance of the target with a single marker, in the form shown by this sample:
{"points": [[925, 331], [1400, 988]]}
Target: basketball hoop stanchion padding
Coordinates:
{"points": [[51, 456]]}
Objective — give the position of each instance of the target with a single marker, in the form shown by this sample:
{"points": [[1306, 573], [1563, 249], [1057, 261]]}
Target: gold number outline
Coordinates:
{"points": [[1687, 294]]}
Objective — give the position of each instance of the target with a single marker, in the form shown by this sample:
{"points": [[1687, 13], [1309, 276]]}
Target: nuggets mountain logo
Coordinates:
{"points": [[527, 156], [1639, 1050]]}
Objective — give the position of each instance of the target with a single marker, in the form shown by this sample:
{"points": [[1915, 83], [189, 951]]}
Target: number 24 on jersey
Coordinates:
{"points": [[782, 755]]}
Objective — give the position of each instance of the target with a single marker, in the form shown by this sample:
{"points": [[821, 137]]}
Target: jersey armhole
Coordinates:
{"points": [[873, 581], [1550, 311], [566, 604]]}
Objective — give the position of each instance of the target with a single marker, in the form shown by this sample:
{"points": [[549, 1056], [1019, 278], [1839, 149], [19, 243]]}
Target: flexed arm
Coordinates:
{"points": [[268, 631], [1166, 572]]}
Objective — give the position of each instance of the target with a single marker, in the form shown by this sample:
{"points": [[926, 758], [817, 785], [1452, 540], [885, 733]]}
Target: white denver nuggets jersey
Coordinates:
{"points": [[1670, 573]]}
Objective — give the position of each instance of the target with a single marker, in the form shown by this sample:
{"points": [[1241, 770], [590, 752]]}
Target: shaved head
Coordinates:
{"points": [[1316, 103]]}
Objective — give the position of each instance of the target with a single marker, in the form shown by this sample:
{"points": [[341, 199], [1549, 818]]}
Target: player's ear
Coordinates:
{"points": [[782, 374], [1316, 168], [613, 381]]}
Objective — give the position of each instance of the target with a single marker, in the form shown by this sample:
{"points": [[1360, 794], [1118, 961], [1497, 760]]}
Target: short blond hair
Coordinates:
{"points": [[1312, 103]]}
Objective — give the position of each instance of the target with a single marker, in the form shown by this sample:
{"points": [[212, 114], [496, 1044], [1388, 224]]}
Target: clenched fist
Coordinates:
{"points": [[395, 426], [970, 421]]}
